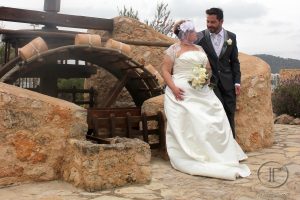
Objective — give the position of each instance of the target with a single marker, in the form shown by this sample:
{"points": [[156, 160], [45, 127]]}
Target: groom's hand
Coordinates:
{"points": [[237, 89]]}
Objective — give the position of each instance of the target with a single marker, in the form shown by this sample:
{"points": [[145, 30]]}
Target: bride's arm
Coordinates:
{"points": [[167, 67], [208, 69]]}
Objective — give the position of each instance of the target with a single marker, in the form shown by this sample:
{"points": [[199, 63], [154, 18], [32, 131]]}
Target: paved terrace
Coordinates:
{"points": [[173, 185]]}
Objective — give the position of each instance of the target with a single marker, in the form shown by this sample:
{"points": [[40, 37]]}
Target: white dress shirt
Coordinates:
{"points": [[217, 40]]}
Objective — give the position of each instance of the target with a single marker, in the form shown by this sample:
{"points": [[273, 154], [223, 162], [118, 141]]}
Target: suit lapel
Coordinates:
{"points": [[209, 43], [226, 37]]}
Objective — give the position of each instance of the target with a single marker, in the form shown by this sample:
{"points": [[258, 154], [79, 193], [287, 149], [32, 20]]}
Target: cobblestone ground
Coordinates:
{"points": [[273, 165]]}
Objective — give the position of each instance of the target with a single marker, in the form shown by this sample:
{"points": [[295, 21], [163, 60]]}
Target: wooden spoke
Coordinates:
{"points": [[114, 93]]}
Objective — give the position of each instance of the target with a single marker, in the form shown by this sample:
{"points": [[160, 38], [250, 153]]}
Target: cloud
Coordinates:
{"points": [[29, 4], [240, 11], [261, 26], [278, 23], [233, 10]]}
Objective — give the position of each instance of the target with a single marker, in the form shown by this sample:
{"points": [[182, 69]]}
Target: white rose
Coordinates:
{"points": [[229, 41]]}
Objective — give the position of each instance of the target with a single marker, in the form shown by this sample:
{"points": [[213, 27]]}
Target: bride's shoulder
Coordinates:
{"points": [[175, 47], [199, 48]]}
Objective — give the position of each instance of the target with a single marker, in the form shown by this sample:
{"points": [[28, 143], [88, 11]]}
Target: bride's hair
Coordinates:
{"points": [[176, 28]]}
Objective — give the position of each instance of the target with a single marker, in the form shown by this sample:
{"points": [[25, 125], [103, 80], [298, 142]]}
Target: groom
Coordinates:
{"points": [[221, 49]]}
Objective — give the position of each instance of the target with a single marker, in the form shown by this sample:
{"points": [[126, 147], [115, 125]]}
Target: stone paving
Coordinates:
{"points": [[170, 184]]}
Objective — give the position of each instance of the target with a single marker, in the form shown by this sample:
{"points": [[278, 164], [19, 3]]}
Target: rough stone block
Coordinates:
{"points": [[102, 166]]}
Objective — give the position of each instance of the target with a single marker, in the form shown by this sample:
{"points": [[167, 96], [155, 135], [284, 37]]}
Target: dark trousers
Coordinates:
{"points": [[228, 99]]}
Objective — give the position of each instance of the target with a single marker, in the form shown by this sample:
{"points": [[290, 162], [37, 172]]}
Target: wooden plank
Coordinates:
{"points": [[98, 140], [112, 125], [63, 71], [100, 123], [114, 93], [12, 34], [105, 112], [54, 19], [146, 43]]}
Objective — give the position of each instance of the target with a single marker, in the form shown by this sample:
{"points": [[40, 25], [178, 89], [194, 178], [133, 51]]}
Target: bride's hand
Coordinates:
{"points": [[178, 93]]}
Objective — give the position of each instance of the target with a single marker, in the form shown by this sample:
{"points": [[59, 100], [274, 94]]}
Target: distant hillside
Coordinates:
{"points": [[276, 63]]}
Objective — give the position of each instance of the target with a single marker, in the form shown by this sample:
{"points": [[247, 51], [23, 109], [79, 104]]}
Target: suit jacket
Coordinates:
{"points": [[226, 67]]}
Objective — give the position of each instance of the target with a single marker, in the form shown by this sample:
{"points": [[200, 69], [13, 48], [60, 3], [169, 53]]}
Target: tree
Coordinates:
{"points": [[128, 13], [161, 22]]}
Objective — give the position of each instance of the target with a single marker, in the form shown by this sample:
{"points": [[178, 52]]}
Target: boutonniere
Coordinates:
{"points": [[229, 42]]}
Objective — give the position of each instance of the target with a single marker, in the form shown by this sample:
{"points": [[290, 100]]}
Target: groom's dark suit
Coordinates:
{"points": [[225, 70]]}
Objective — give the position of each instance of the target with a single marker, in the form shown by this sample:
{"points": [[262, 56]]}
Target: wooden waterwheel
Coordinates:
{"points": [[52, 64], [139, 82]]}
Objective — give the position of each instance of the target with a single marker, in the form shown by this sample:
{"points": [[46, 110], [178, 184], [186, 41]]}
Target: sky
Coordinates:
{"points": [[262, 26]]}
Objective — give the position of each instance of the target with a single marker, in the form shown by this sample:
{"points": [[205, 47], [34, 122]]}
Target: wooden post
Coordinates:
{"points": [[113, 94], [52, 6], [129, 127], [112, 122], [91, 95]]}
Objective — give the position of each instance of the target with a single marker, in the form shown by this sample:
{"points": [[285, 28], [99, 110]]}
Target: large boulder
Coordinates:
{"points": [[34, 129], [254, 116]]}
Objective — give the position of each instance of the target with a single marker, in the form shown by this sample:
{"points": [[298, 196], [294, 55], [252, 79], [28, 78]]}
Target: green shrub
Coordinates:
{"points": [[286, 97], [69, 84]]}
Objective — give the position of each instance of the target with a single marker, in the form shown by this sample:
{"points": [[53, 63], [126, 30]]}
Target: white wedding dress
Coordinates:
{"points": [[199, 138]]}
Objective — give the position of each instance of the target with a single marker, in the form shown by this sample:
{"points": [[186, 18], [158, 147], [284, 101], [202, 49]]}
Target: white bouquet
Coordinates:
{"points": [[199, 76]]}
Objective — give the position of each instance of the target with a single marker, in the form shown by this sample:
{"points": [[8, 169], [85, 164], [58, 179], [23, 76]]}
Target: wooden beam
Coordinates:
{"points": [[145, 43], [11, 34], [54, 19], [63, 71], [114, 93], [9, 65]]}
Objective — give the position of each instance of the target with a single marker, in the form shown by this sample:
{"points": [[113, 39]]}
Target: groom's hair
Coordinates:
{"points": [[215, 11]]}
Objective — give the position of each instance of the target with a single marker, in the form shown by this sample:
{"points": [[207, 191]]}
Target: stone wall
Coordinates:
{"points": [[254, 115], [33, 133], [95, 167]]}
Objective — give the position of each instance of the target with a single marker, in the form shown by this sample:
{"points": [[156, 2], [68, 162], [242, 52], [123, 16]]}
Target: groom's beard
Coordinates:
{"points": [[214, 29]]}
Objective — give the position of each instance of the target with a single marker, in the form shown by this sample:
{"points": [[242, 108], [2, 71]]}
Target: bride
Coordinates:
{"points": [[199, 138]]}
